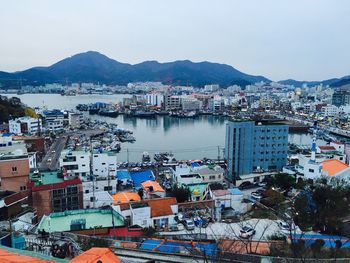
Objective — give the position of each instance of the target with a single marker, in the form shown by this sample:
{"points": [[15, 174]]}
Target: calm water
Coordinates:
{"points": [[186, 138]]}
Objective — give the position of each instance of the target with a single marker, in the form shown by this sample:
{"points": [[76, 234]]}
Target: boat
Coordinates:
{"points": [[146, 157], [126, 138], [93, 111], [109, 113], [144, 114], [115, 147]]}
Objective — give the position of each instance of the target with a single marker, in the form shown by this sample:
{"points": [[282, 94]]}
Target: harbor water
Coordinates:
{"points": [[186, 138]]}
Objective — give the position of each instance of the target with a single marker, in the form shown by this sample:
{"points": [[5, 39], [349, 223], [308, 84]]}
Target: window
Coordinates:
{"points": [[83, 165], [107, 188], [311, 170], [82, 157], [14, 169], [212, 177], [103, 163], [22, 188], [87, 191]]}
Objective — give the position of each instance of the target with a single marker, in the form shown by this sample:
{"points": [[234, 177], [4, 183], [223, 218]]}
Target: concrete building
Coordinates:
{"points": [[14, 171], [172, 102], [330, 110], [190, 104], [75, 119], [104, 163], [75, 163], [211, 88], [25, 125], [49, 192], [155, 99], [54, 120], [255, 147]]}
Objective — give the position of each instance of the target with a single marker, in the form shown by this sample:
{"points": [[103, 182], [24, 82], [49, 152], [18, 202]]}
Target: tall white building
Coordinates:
{"points": [[104, 164], [25, 125], [75, 119], [155, 99], [190, 104]]}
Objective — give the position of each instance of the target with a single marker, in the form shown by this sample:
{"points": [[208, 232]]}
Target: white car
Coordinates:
{"points": [[286, 228], [247, 232], [189, 225], [256, 196]]}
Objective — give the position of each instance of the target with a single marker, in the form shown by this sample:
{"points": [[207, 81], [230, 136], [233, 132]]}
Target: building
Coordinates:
{"points": [[49, 192], [172, 102], [155, 99], [25, 125], [210, 174], [330, 110], [341, 97], [14, 171], [190, 104], [11, 203], [75, 163], [75, 119], [185, 175], [152, 189], [104, 163], [54, 120], [255, 147], [83, 221], [211, 88], [158, 213]]}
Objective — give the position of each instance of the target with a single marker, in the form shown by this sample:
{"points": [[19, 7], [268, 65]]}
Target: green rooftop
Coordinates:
{"points": [[43, 178], [91, 218]]}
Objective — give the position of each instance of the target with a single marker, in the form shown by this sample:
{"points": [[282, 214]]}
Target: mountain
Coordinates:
{"points": [[335, 82], [94, 67]]}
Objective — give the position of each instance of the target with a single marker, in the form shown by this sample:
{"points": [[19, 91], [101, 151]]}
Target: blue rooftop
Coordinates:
{"points": [[140, 177], [123, 174], [329, 240], [195, 164], [150, 244], [235, 191]]}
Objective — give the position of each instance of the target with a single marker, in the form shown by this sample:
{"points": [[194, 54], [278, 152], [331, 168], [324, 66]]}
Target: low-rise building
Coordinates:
{"points": [[104, 163], [14, 171], [75, 163], [210, 174], [75, 119], [25, 125], [49, 192], [152, 189]]}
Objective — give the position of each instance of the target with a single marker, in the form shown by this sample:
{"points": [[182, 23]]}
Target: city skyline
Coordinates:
{"points": [[294, 39]]}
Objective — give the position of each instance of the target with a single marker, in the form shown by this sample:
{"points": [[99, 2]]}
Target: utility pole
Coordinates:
{"points": [[91, 174], [218, 153], [127, 154]]}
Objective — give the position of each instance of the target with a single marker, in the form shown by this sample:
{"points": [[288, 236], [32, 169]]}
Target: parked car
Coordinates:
{"points": [[256, 196], [246, 185], [188, 223], [247, 232]]}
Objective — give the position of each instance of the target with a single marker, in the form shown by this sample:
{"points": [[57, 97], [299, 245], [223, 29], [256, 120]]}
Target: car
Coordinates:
{"points": [[246, 185], [256, 195], [188, 223], [49, 160], [246, 232], [53, 151], [286, 228], [262, 184]]}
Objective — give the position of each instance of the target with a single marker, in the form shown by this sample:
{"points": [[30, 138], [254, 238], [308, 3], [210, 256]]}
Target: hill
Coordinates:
{"points": [[94, 67]]}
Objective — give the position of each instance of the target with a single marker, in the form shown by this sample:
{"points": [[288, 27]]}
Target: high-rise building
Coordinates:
{"points": [[253, 147]]}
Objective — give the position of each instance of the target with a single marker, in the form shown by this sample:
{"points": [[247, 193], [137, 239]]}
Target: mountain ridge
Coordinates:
{"points": [[95, 67], [92, 66]]}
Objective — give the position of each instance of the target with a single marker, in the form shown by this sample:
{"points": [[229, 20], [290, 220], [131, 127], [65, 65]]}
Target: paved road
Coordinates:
{"points": [[50, 161]]}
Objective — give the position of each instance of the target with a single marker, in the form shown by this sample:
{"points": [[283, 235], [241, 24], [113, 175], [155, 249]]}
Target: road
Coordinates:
{"points": [[50, 161]]}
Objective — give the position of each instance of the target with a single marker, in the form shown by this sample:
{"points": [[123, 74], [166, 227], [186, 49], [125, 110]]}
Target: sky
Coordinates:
{"points": [[279, 39]]}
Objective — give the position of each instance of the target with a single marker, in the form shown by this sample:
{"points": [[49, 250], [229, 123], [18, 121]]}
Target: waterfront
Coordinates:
{"points": [[186, 138]]}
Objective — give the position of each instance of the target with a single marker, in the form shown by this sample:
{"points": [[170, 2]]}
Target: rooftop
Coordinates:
{"points": [[155, 185], [333, 167], [43, 178], [125, 197], [197, 189], [161, 206], [61, 221], [140, 177]]}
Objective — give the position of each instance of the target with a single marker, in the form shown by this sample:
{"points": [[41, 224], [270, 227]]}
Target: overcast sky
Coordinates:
{"points": [[280, 39]]}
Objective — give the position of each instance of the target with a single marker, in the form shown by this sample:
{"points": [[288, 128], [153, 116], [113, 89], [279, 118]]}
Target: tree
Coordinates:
{"points": [[30, 112], [182, 194], [283, 181], [140, 192]]}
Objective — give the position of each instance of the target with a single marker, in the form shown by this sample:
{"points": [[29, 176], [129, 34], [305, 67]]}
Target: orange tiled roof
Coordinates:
{"points": [[156, 186], [333, 167], [327, 147], [125, 197], [96, 254], [161, 206]]}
